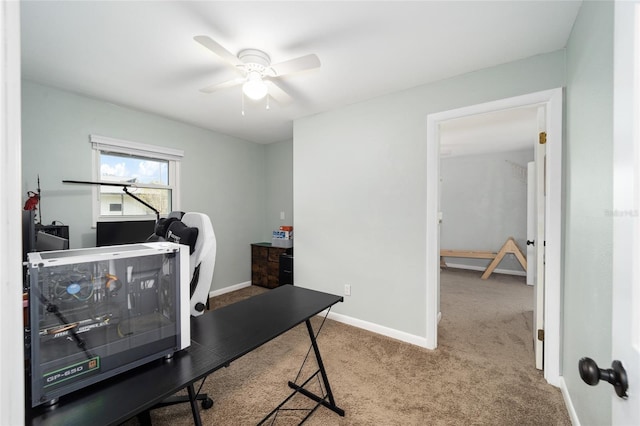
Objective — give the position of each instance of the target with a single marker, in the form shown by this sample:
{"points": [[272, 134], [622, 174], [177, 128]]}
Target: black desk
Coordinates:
{"points": [[217, 338]]}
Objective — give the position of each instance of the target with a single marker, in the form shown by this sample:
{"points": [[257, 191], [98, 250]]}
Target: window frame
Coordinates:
{"points": [[101, 144]]}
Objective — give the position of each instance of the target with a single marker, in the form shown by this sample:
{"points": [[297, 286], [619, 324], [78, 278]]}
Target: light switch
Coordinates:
{"points": [[281, 215]]}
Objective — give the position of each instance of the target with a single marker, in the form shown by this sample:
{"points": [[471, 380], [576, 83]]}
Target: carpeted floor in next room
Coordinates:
{"points": [[482, 373]]}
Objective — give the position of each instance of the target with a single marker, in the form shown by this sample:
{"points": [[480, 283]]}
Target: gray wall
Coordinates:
{"points": [[279, 182], [222, 176], [483, 199], [360, 190], [588, 229]]}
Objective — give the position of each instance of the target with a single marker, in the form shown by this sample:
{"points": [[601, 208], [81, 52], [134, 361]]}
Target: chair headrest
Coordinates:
{"points": [[162, 226], [176, 213], [180, 233]]}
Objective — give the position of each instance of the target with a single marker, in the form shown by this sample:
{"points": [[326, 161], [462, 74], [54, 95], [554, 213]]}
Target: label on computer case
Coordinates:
{"points": [[71, 372]]}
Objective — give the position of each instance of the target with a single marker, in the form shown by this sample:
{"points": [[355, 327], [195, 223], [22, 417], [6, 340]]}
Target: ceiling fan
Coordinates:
{"points": [[258, 76]]}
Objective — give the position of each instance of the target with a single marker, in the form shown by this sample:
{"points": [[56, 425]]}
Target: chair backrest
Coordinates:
{"points": [[202, 260]]}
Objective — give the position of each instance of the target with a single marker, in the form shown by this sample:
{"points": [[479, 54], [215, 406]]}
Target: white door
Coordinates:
{"points": [[533, 230], [531, 223], [625, 332], [539, 241]]}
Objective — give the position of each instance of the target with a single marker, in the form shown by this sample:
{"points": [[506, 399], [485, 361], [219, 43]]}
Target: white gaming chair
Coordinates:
{"points": [[194, 230], [202, 261]]}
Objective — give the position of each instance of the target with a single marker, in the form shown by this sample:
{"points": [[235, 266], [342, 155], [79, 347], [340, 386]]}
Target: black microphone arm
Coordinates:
{"points": [[125, 189]]}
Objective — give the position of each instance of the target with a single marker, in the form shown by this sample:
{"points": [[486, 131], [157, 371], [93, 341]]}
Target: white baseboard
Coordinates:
{"points": [[229, 289], [567, 400], [369, 326], [379, 329], [482, 269]]}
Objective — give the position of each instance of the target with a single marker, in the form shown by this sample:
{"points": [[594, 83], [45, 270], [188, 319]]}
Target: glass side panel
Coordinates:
{"points": [[92, 318]]}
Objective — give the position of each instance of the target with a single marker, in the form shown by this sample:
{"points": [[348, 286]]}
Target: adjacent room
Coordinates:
{"points": [[484, 203], [484, 185], [342, 180]]}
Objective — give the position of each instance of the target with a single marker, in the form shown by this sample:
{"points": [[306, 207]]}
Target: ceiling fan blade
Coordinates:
{"points": [[277, 93], [219, 86], [220, 51], [302, 63]]}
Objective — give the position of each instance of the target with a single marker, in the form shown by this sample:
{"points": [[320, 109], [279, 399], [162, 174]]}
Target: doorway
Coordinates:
{"points": [[484, 205], [552, 101]]}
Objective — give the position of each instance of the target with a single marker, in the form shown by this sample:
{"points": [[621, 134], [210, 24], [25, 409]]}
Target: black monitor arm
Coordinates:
{"points": [[125, 189]]}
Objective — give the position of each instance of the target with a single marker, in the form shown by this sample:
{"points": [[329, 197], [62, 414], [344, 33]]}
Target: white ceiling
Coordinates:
{"points": [[142, 54], [512, 129]]}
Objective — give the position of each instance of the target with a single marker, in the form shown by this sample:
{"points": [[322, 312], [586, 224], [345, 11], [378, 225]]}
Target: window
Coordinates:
{"points": [[149, 173]]}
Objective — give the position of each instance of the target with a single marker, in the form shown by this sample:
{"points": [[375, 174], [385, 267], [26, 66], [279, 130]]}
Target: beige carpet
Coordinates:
{"points": [[482, 373]]}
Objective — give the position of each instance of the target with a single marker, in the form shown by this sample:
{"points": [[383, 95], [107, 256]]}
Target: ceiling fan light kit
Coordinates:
{"points": [[255, 88], [255, 67]]}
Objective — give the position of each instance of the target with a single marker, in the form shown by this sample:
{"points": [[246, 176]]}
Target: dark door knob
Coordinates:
{"points": [[531, 243], [616, 375]]}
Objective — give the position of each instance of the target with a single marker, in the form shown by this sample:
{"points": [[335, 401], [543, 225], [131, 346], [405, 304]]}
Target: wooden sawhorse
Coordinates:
{"points": [[509, 246]]}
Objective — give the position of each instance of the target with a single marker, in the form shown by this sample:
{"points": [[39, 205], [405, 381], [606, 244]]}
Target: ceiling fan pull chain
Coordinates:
{"points": [[242, 94]]}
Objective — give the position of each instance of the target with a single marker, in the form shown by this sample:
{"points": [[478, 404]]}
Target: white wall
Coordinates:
{"points": [[360, 190], [222, 176], [589, 198], [279, 183], [484, 202]]}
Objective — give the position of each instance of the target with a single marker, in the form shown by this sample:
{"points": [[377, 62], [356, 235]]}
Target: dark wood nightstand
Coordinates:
{"points": [[265, 264]]}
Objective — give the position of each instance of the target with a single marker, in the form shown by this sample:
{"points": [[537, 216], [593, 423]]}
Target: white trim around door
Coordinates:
{"points": [[552, 100]]}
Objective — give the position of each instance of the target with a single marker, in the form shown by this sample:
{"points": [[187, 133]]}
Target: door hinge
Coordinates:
{"points": [[541, 335], [543, 138]]}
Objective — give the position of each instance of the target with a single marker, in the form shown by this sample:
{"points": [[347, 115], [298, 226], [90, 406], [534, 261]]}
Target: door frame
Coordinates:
{"points": [[12, 333], [553, 101]]}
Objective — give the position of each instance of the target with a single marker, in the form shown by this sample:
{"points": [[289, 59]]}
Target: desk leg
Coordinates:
{"points": [[323, 373], [144, 418], [320, 400], [193, 400]]}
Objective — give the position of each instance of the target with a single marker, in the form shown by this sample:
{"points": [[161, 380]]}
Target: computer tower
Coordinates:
{"points": [[99, 312]]}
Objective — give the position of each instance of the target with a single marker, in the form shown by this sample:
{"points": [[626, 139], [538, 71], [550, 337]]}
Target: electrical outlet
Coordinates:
{"points": [[347, 289]]}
